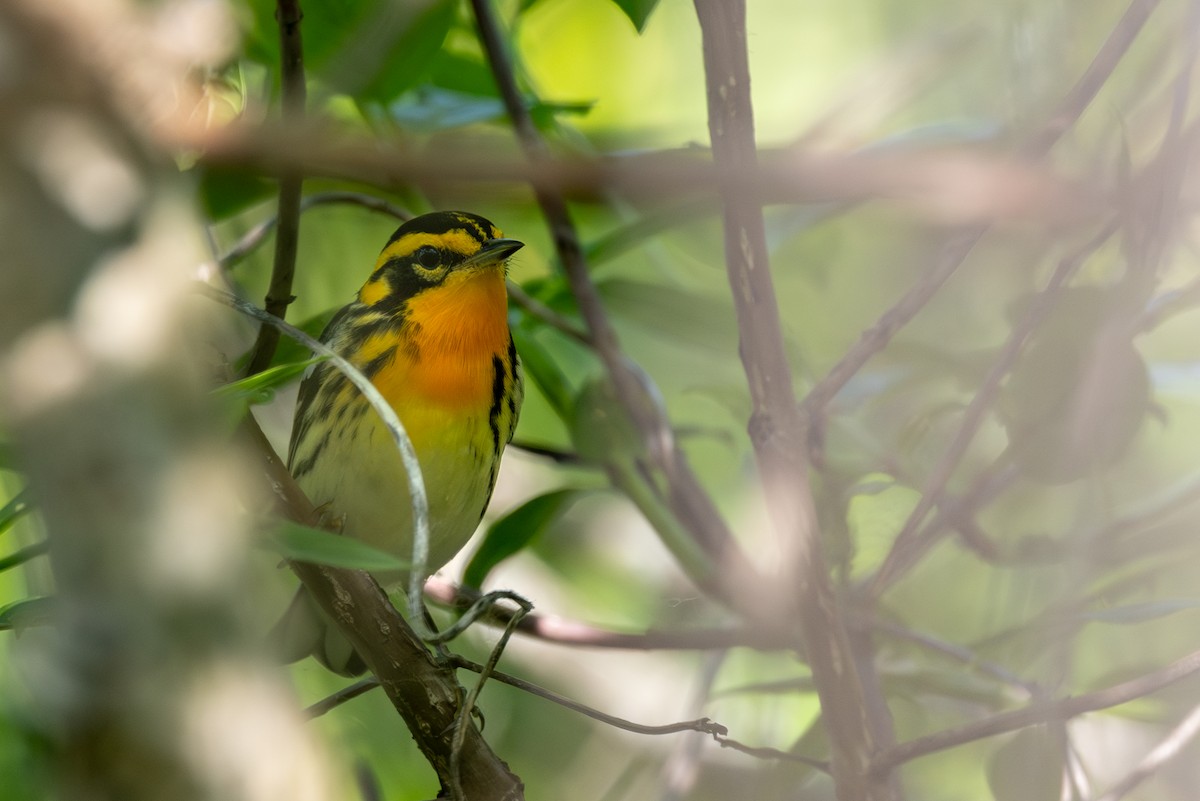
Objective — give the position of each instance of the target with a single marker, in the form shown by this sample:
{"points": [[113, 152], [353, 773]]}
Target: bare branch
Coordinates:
{"points": [[777, 431], [258, 234], [424, 692], [685, 495], [287, 235], [1040, 712], [902, 555], [1164, 752], [555, 629], [958, 247]]}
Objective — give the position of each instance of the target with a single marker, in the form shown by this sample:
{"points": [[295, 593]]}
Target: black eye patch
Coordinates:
{"points": [[428, 257]]}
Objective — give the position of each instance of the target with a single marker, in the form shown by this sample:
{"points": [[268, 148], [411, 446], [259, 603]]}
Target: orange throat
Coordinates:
{"points": [[452, 335]]}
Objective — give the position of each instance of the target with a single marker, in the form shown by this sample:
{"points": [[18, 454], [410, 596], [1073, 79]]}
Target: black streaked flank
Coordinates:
{"points": [[372, 368], [499, 382], [307, 464], [513, 364]]}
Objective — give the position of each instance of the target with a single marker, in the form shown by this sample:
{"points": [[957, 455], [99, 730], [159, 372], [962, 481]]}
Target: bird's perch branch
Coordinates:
{"points": [[427, 695]]}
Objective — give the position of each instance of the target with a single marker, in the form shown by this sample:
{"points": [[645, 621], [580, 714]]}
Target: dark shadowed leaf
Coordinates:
{"points": [[14, 510], [541, 367], [514, 531], [304, 544], [225, 193], [638, 11]]}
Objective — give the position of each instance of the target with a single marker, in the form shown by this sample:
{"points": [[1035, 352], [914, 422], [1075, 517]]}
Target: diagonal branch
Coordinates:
{"points": [[958, 247], [685, 495], [1040, 712], [424, 692]]}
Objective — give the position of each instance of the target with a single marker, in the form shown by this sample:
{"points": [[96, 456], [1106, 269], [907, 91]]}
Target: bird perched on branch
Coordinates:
{"points": [[429, 328]]}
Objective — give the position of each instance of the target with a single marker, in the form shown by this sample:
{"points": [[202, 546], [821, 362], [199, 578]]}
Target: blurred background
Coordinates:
{"points": [[977, 215]]}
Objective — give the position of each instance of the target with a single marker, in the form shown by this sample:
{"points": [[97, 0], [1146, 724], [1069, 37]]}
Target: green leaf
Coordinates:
{"points": [[8, 456], [304, 544], [260, 387], [697, 320], [23, 555], [412, 52], [14, 510], [376, 48], [875, 512], [430, 109], [26, 612], [224, 193], [638, 11], [289, 350], [517, 529], [601, 429], [539, 366]]}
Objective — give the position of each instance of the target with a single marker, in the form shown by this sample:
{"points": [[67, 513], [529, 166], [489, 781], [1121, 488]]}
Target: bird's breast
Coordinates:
{"points": [[448, 345]]}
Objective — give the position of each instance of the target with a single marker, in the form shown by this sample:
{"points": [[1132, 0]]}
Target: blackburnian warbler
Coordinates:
{"points": [[429, 328]]}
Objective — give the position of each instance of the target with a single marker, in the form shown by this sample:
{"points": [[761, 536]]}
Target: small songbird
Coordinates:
{"points": [[429, 328]]}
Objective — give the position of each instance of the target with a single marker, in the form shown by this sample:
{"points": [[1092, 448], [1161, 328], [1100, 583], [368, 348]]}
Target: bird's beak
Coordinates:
{"points": [[494, 251]]}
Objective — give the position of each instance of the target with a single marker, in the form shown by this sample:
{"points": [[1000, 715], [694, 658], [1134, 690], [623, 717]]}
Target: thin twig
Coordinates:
{"points": [[556, 455], [1162, 753], [1040, 712], [956, 250], [287, 235], [902, 554], [705, 725], [685, 495], [563, 631], [761, 752], [524, 607], [959, 653], [535, 308], [333, 701], [253, 238]]}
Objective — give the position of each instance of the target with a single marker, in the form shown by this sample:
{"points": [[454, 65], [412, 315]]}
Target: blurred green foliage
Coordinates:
{"points": [[1079, 570]]}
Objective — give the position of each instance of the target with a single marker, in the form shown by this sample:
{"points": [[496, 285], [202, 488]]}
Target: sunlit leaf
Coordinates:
{"points": [[260, 387], [875, 512], [304, 544], [511, 533]]}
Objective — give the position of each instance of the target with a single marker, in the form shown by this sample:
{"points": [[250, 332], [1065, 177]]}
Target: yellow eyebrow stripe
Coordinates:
{"points": [[457, 241]]}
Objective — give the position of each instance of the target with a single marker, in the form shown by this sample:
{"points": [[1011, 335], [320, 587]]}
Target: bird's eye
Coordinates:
{"points": [[428, 257]]}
